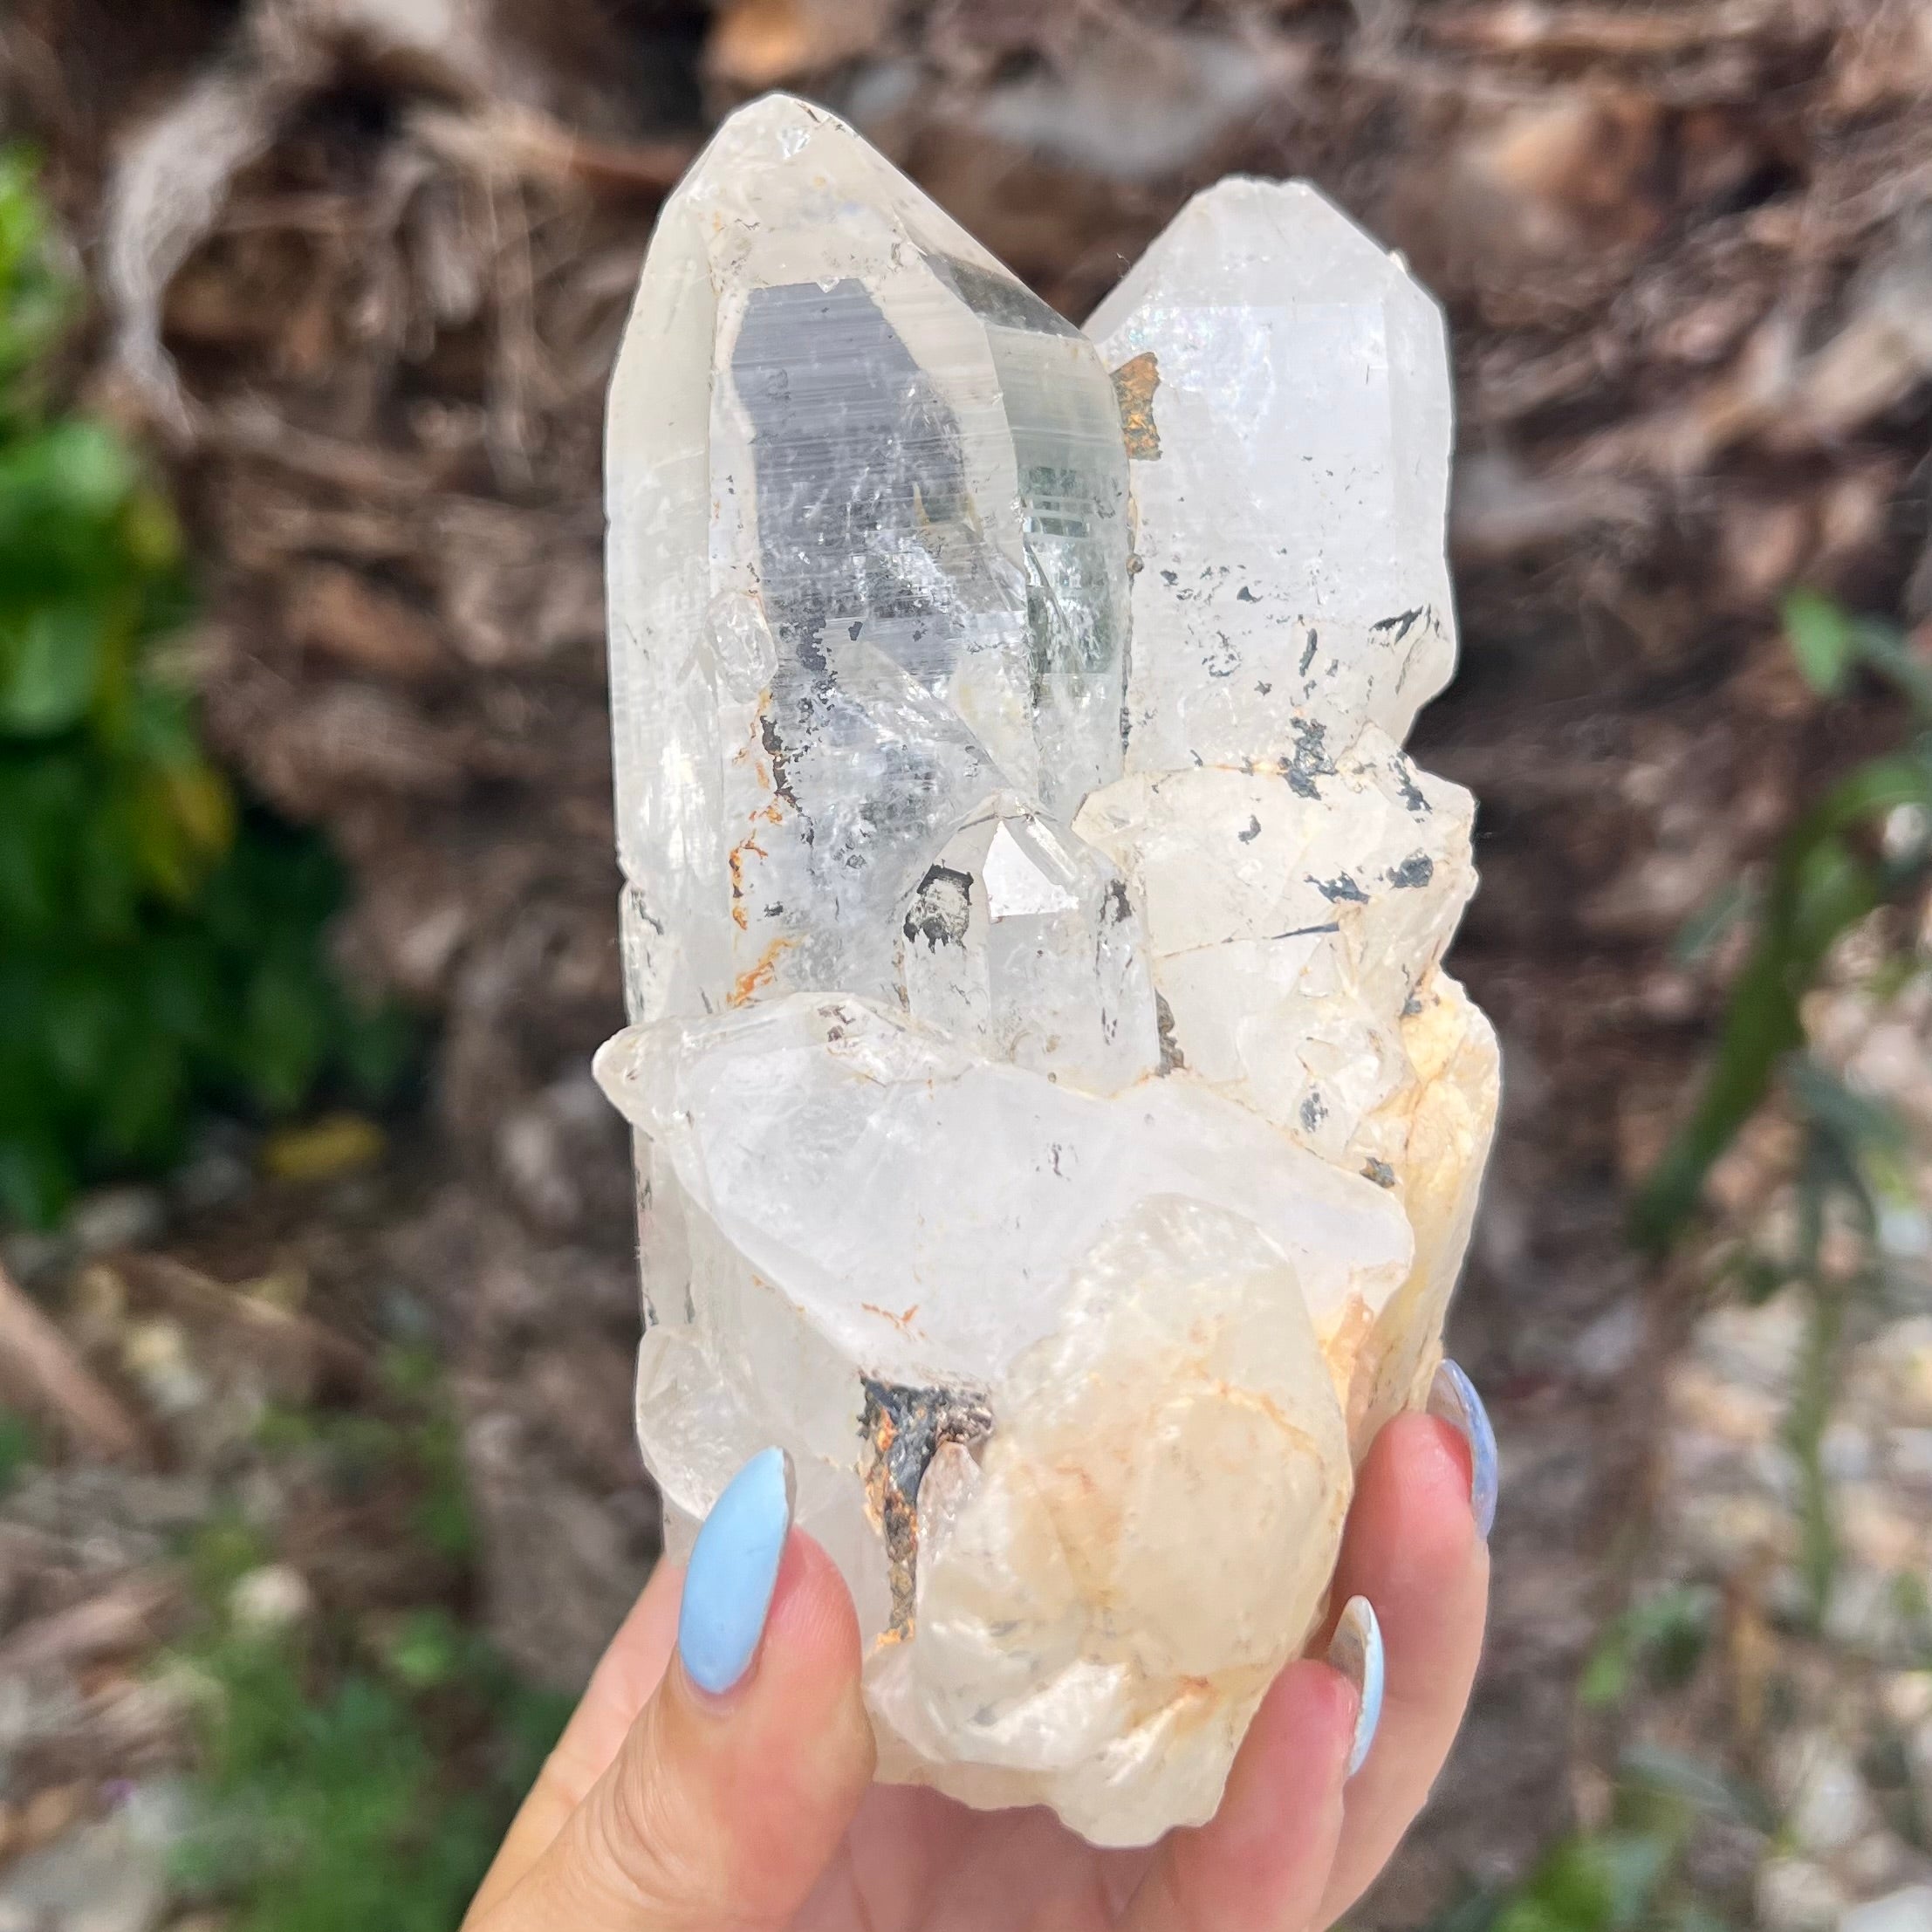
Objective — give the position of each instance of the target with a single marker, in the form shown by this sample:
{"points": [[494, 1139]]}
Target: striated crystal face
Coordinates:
{"points": [[1054, 1126]]}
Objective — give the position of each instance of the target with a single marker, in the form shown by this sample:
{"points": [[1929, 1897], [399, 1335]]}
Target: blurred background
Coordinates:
{"points": [[318, 1494]]}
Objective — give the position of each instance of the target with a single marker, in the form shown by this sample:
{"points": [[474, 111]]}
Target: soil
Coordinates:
{"points": [[1687, 252]]}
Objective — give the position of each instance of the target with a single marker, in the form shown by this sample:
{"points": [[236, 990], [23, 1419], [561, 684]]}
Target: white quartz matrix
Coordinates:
{"points": [[1054, 1126]]}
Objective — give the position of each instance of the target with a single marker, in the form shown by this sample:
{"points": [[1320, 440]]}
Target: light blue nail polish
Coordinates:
{"points": [[1452, 1397], [1356, 1651], [734, 1570]]}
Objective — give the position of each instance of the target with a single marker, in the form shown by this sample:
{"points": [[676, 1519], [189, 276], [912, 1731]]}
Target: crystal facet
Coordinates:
{"points": [[1054, 1126]]}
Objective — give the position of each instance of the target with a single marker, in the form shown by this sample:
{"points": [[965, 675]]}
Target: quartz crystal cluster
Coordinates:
{"points": [[1054, 1128]]}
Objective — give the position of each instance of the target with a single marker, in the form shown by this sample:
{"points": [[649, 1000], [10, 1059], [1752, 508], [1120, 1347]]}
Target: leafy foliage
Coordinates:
{"points": [[1829, 872], [1865, 844], [19, 1449], [354, 1772], [329, 1801], [160, 946]]}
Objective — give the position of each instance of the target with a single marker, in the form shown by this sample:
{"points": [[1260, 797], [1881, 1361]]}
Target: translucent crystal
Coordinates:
{"points": [[1296, 467], [1054, 1126], [1019, 938], [867, 561]]}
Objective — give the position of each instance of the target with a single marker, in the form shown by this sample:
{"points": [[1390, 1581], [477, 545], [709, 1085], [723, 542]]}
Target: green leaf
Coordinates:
{"points": [[48, 667], [1820, 889], [1820, 635], [427, 1651], [19, 1449], [162, 949]]}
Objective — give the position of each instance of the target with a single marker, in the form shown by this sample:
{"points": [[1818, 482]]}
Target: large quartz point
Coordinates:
{"points": [[1054, 1126]]}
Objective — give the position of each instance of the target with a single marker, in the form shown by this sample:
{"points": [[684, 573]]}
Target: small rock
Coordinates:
{"points": [[1845, 1452], [1908, 1452], [1609, 1345], [116, 1217], [155, 1353], [1907, 1910], [217, 1172], [1876, 1531], [1795, 1895], [1907, 1697], [1829, 1807], [1865, 1616], [1875, 1865], [272, 1600]]}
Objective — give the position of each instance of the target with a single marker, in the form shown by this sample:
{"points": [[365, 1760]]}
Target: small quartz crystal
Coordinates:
{"points": [[1054, 1126]]}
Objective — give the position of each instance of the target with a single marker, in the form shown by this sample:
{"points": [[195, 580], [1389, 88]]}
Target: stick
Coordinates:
{"points": [[40, 1371]]}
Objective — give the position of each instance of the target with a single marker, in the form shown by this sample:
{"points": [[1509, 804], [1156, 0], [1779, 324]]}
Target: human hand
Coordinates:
{"points": [[666, 1807]]}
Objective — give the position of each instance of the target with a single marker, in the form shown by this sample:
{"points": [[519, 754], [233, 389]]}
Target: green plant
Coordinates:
{"points": [[1629, 1876], [1866, 844], [329, 1801], [1830, 870], [1659, 1639], [19, 1449], [415, 1438], [352, 1772], [159, 944]]}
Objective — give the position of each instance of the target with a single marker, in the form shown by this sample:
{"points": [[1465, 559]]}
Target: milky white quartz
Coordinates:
{"points": [[1054, 1125]]}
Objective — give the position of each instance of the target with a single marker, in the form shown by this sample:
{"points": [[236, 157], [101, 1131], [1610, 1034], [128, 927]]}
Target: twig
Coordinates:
{"points": [[337, 1361], [499, 139], [40, 1370], [125, 1616], [1520, 26]]}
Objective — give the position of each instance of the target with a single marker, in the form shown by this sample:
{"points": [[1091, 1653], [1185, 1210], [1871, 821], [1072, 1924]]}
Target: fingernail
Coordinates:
{"points": [[1356, 1651], [733, 1571], [1452, 1396]]}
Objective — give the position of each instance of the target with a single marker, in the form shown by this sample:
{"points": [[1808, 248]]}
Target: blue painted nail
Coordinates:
{"points": [[1452, 1396], [1356, 1651], [733, 1572]]}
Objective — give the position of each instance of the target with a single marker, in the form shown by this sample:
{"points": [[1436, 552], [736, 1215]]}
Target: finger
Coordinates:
{"points": [[735, 1786], [619, 1687], [1413, 1549], [1263, 1863]]}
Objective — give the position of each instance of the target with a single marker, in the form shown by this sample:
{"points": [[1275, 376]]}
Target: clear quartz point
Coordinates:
{"points": [[1053, 1125]]}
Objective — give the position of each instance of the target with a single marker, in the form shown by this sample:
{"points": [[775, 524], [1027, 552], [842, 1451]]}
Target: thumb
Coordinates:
{"points": [[733, 1786]]}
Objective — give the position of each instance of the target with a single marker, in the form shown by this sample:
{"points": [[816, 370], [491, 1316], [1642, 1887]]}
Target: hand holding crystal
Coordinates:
{"points": [[684, 1796]]}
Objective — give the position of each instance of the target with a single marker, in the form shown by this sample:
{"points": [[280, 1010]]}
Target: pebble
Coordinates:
{"points": [[1907, 1697], [1829, 1807], [116, 1217], [1908, 1452], [1905, 1911], [1795, 1895], [274, 1599], [1610, 1344], [155, 1352]]}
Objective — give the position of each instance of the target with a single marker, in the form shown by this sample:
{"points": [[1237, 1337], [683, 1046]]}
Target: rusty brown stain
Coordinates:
{"points": [[903, 1320], [759, 975], [1134, 382], [737, 863]]}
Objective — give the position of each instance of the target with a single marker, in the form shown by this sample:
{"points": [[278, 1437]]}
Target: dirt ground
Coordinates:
{"points": [[361, 270]]}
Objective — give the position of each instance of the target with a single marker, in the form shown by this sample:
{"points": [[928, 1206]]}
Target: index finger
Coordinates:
{"points": [[1412, 1548], [619, 1687]]}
